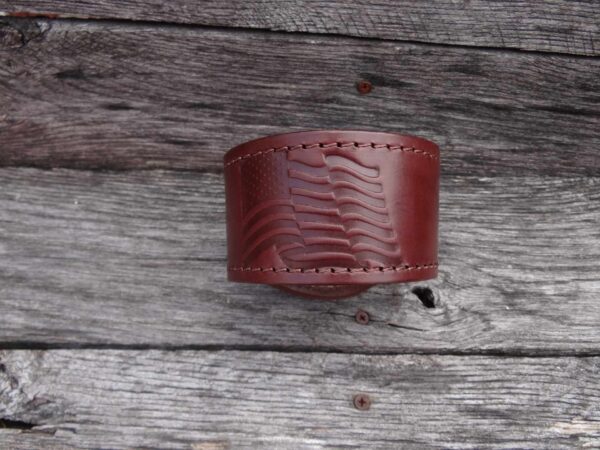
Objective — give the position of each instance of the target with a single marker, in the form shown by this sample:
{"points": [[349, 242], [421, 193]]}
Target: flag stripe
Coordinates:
{"points": [[264, 205], [337, 160], [267, 220], [269, 234], [355, 201], [313, 194]]}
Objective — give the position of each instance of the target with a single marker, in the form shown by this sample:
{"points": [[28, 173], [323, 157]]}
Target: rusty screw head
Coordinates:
{"points": [[364, 87], [362, 317], [362, 402]]}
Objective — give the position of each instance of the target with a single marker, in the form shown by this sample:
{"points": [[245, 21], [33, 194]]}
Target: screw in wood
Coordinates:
{"points": [[364, 87], [362, 317], [362, 402]]}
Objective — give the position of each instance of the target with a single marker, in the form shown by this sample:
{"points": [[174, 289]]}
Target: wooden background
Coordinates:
{"points": [[118, 328]]}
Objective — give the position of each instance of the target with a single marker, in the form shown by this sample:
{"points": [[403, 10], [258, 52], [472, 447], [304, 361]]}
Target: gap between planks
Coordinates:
{"points": [[284, 349]]}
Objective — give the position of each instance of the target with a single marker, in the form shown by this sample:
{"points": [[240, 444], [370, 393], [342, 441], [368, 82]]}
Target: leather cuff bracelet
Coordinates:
{"points": [[330, 213]]}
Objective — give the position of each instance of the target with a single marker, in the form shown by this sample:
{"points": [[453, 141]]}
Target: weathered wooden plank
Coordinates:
{"points": [[556, 26], [207, 400], [138, 259], [115, 96]]}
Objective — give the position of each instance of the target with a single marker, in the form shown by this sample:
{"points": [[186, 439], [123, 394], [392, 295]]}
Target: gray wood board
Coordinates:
{"points": [[138, 259], [128, 96], [218, 400], [555, 26]]}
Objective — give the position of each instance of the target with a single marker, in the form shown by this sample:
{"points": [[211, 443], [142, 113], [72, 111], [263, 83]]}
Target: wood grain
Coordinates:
{"points": [[219, 400], [127, 96], [134, 259], [555, 26], [138, 259]]}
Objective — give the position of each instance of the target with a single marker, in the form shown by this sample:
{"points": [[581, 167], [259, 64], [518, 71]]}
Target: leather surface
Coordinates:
{"points": [[332, 208]]}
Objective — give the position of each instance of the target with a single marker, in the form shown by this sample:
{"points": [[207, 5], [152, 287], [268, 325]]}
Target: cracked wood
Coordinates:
{"points": [[187, 399]]}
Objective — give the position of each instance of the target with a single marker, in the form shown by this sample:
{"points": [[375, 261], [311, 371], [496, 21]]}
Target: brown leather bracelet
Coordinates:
{"points": [[330, 213]]}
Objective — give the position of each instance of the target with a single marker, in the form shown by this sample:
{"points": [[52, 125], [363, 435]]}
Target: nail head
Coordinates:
{"points": [[362, 402], [362, 317], [364, 87]]}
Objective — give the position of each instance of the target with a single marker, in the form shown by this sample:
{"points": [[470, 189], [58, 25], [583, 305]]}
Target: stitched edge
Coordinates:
{"points": [[288, 148], [334, 270]]}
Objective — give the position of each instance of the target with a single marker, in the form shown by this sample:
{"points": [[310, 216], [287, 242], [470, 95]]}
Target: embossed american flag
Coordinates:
{"points": [[316, 208]]}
